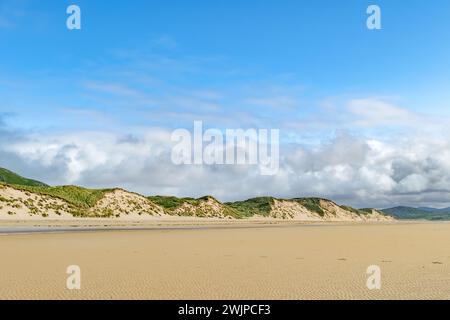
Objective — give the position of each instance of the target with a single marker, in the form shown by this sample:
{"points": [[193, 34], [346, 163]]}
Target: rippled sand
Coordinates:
{"points": [[281, 262]]}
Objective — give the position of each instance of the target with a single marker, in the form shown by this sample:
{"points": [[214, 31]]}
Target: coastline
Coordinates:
{"points": [[11, 226]]}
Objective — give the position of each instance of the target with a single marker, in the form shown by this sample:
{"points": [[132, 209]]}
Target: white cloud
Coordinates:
{"points": [[348, 169], [375, 112], [413, 183], [364, 168]]}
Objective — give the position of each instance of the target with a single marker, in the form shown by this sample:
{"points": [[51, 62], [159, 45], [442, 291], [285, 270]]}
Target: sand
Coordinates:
{"points": [[291, 261]]}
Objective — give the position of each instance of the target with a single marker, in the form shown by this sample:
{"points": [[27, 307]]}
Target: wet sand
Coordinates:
{"points": [[293, 261]]}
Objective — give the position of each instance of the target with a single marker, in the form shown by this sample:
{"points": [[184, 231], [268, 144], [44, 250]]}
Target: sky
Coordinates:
{"points": [[363, 114]]}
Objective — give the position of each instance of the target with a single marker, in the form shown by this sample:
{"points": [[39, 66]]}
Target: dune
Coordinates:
{"points": [[72, 202]]}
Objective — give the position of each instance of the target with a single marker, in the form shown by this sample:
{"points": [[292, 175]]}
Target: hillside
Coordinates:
{"points": [[10, 177], [22, 198], [304, 209], [410, 213], [23, 202], [253, 207], [206, 207], [434, 209], [73, 202]]}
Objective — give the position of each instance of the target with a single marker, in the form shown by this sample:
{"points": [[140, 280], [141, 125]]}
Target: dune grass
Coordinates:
{"points": [[366, 210], [312, 204], [10, 177], [170, 203], [357, 211], [76, 196], [80, 199], [257, 206]]}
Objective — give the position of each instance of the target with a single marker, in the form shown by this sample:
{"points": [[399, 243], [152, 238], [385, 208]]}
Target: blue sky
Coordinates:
{"points": [[310, 68], [319, 45]]}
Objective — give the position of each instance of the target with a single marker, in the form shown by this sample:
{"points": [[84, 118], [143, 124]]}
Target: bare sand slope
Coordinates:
{"points": [[291, 262]]}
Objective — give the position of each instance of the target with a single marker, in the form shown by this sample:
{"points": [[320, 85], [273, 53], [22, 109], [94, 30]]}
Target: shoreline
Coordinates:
{"points": [[8, 227]]}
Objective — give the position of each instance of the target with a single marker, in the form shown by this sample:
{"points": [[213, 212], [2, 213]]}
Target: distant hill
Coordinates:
{"points": [[10, 177], [434, 209], [410, 213]]}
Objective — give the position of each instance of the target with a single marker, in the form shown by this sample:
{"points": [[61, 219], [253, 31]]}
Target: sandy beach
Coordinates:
{"points": [[252, 261]]}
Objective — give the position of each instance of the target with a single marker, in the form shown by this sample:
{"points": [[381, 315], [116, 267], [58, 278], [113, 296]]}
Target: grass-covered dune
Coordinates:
{"points": [[206, 206], [257, 206], [77, 196], [170, 203], [10, 177], [22, 196], [262, 206]]}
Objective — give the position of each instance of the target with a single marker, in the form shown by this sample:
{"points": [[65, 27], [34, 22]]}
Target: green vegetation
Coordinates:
{"points": [[77, 196], [367, 210], [256, 206], [312, 204], [79, 201], [10, 177], [357, 211], [172, 203], [409, 213]]}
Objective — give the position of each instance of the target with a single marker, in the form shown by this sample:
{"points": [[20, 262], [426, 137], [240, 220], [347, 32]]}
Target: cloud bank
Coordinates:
{"points": [[410, 168]]}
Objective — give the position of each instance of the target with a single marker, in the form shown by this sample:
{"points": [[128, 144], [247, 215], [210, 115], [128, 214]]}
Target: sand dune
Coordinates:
{"points": [[290, 262], [71, 203]]}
